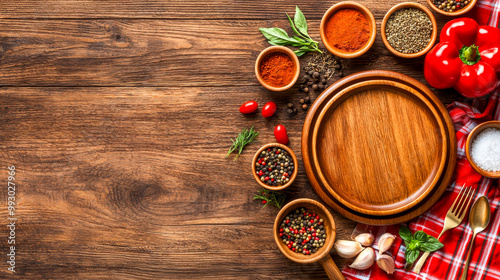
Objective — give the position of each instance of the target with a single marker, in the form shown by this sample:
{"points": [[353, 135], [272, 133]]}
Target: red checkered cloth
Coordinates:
{"points": [[447, 263]]}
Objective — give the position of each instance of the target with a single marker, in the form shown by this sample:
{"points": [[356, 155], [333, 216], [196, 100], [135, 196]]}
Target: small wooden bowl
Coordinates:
{"points": [[468, 145], [280, 49], [323, 254], [295, 169], [403, 6], [365, 12], [457, 13]]}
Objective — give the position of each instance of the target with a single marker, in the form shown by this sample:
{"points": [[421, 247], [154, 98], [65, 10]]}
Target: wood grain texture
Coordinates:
{"points": [[334, 146], [117, 115], [172, 9]]}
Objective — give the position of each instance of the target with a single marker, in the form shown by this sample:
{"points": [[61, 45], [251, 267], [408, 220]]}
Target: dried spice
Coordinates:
{"points": [[347, 30], [274, 166], [318, 71], [451, 5], [277, 69], [409, 30], [303, 231]]}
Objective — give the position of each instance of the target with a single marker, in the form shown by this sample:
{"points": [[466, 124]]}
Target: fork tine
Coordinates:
{"points": [[461, 205], [472, 192], [456, 199]]}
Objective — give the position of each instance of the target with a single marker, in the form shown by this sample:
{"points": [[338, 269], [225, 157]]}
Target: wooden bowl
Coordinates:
{"points": [[283, 50], [468, 145], [365, 12], [457, 13], [295, 170], [323, 254], [403, 6]]}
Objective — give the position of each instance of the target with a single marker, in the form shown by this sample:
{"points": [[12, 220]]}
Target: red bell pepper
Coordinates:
{"points": [[467, 58]]}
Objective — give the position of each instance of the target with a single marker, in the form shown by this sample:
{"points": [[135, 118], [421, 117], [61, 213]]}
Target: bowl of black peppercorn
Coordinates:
{"points": [[274, 166]]}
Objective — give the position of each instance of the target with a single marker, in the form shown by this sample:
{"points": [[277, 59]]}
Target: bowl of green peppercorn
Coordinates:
{"points": [[274, 166], [304, 231]]}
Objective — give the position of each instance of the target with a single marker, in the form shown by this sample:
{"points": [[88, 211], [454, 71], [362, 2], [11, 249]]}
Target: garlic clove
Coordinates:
{"points": [[385, 242], [365, 239], [386, 263], [347, 249], [364, 260]]}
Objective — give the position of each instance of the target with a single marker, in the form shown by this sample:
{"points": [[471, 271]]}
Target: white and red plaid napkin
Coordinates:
{"points": [[447, 263]]}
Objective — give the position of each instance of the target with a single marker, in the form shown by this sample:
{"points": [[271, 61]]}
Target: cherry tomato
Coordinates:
{"points": [[269, 109], [280, 134], [248, 107]]}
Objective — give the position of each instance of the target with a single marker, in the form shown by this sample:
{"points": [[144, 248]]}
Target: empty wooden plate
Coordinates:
{"points": [[378, 145]]}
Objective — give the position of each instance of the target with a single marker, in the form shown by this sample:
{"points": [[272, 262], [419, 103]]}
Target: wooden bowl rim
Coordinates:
{"points": [[331, 234], [295, 163], [430, 185], [403, 6], [457, 13], [468, 145], [346, 5], [379, 220], [280, 49]]}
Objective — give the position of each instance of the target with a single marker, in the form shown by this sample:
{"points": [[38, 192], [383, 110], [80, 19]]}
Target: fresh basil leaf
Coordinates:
{"points": [[300, 21], [293, 27], [431, 245], [299, 52], [277, 35], [411, 255], [405, 234], [420, 236], [299, 39]]}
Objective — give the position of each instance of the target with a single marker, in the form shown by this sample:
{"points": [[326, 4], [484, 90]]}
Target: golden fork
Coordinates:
{"points": [[453, 218]]}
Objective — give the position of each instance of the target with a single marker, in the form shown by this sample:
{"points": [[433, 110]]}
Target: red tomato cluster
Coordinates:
{"points": [[268, 111]]}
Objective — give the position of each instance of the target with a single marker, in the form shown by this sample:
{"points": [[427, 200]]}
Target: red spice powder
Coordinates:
{"points": [[277, 69], [347, 30]]}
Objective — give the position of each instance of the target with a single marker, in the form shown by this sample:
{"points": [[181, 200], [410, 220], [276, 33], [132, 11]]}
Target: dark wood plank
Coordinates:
{"points": [[174, 9], [151, 53], [132, 183]]}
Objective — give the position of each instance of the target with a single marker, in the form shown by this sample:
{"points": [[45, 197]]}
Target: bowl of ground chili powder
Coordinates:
{"points": [[348, 29], [274, 166], [277, 68]]}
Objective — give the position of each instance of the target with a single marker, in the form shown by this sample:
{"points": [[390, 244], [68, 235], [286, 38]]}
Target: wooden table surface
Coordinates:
{"points": [[117, 116]]}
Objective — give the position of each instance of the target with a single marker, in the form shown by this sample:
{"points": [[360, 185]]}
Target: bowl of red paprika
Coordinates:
{"points": [[348, 29], [277, 68]]}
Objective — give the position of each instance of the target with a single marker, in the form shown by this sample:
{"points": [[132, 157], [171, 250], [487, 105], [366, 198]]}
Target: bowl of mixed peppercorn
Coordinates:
{"points": [[451, 7], [304, 231], [274, 166]]}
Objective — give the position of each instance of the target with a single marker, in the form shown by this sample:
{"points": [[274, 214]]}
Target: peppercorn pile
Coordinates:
{"points": [[274, 166], [303, 231], [450, 5], [318, 71]]}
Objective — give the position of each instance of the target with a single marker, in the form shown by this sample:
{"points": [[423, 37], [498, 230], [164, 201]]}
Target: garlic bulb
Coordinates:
{"points": [[347, 248], [385, 242], [386, 263], [364, 260], [365, 239]]}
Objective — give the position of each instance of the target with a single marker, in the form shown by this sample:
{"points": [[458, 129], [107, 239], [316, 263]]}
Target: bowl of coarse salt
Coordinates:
{"points": [[483, 149]]}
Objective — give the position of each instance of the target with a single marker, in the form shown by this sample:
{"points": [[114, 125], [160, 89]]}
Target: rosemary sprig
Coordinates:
{"points": [[244, 138], [271, 197]]}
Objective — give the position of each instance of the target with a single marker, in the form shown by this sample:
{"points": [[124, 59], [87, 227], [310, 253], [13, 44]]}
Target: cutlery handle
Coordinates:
{"points": [[466, 267], [421, 262], [331, 269]]}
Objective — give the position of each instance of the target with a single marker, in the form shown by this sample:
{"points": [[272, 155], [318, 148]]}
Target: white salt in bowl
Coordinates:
{"points": [[486, 156]]}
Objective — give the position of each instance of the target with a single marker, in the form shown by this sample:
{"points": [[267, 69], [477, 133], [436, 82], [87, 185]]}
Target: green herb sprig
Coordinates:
{"points": [[279, 37], [271, 197], [420, 241], [244, 138]]}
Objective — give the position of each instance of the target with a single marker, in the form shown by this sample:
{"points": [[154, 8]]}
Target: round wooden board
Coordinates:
{"points": [[379, 147]]}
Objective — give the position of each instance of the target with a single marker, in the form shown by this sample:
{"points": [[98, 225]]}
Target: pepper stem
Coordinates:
{"points": [[470, 55]]}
